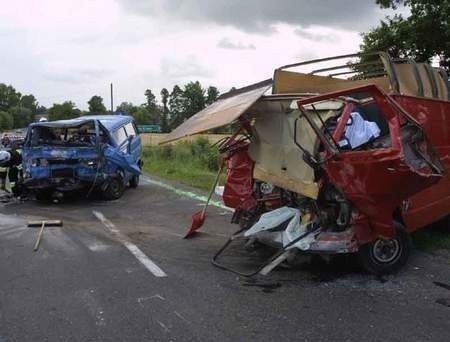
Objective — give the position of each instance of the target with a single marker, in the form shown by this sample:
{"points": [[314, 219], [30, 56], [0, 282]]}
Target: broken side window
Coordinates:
{"points": [[119, 136]]}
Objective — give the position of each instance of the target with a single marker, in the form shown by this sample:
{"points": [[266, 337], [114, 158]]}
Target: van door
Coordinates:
{"points": [[135, 148]]}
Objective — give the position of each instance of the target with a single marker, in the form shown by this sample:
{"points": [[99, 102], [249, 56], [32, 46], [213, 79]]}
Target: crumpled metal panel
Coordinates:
{"points": [[224, 111], [123, 160]]}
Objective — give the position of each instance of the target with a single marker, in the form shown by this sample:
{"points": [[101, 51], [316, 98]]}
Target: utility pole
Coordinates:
{"points": [[112, 100]]}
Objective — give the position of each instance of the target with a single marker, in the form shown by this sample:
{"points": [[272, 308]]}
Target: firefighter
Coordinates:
{"points": [[11, 162]]}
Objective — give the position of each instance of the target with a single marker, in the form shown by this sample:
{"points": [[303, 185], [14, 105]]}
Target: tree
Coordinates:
{"points": [[22, 116], [29, 101], [423, 35], [150, 100], [211, 95], [165, 110], [194, 98], [176, 100], [66, 110], [9, 97], [96, 105], [6, 121], [127, 108]]}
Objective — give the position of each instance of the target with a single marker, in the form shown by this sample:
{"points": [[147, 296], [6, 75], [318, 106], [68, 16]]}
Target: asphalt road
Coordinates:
{"points": [[85, 283]]}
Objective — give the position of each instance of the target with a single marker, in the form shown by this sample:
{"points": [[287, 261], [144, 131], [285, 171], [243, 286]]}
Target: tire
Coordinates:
{"points": [[386, 256], [43, 195], [114, 189], [134, 181]]}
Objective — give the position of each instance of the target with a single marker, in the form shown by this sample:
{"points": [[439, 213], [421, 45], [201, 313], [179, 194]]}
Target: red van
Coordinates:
{"points": [[345, 158]]}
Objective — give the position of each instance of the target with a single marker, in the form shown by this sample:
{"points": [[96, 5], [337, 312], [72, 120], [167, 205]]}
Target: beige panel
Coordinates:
{"points": [[441, 84], [427, 88], [293, 82], [277, 159], [406, 79], [220, 113]]}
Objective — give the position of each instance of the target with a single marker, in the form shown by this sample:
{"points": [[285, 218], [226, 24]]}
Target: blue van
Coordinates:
{"points": [[93, 153]]}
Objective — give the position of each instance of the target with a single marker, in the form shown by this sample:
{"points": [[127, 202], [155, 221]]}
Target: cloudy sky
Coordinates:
{"points": [[72, 49]]}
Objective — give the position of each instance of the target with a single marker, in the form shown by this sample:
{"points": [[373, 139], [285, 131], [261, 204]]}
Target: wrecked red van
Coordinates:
{"points": [[345, 158]]}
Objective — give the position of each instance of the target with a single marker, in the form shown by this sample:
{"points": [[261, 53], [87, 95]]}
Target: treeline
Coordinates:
{"points": [[17, 110], [175, 107]]}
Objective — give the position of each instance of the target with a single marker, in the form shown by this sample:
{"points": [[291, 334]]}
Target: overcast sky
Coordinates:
{"points": [[72, 49]]}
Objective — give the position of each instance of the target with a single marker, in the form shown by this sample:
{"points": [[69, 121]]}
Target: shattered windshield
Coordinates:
{"points": [[82, 135]]}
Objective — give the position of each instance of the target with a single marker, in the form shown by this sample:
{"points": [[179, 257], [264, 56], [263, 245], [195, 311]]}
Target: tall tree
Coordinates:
{"points": [[176, 100], [211, 95], [96, 105], [165, 110], [150, 100], [424, 34], [194, 98]]}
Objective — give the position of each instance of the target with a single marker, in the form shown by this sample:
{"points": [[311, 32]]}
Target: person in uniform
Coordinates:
{"points": [[10, 162]]}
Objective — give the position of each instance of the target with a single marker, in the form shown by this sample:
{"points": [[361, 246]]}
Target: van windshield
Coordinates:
{"points": [[76, 136]]}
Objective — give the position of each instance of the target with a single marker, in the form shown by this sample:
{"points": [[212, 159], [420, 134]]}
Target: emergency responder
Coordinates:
{"points": [[12, 162]]}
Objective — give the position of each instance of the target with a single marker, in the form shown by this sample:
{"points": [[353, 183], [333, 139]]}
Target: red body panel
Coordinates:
{"points": [[238, 191], [433, 203]]}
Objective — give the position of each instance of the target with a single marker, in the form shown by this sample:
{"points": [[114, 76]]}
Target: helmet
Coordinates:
{"points": [[5, 156], [43, 119]]}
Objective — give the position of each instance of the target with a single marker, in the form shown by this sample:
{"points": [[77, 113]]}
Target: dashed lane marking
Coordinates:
{"points": [[145, 260]]}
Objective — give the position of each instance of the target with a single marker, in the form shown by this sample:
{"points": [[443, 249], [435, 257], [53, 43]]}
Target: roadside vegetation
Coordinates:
{"points": [[436, 237], [192, 163]]}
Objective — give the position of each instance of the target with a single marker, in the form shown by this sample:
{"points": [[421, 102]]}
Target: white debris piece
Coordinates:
{"points": [[359, 131]]}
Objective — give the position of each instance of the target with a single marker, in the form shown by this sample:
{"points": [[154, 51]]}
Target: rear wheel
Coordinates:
{"points": [[386, 256], [114, 190]]}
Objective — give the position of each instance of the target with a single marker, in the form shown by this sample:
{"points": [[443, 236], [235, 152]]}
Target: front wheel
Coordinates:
{"points": [[114, 190], [386, 256]]}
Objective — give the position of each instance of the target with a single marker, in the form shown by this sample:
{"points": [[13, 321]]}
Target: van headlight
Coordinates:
{"points": [[90, 162]]}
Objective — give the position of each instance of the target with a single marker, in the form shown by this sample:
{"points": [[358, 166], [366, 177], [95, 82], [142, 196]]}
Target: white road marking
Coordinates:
{"points": [[181, 316], [150, 265], [166, 329]]}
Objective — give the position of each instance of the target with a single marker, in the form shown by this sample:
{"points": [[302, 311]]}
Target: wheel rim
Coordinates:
{"points": [[386, 251], [115, 187]]}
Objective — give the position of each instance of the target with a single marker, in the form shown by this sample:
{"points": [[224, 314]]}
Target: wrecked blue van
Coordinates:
{"points": [[90, 153]]}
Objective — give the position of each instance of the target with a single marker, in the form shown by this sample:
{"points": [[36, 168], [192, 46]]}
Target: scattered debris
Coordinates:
{"points": [[444, 301], [443, 285]]}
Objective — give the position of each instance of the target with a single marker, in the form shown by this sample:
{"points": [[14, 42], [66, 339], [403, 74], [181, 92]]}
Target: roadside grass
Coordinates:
{"points": [[196, 164], [192, 163], [433, 238]]}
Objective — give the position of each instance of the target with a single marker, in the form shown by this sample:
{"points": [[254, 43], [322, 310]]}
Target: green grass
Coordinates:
{"points": [[433, 238], [195, 164]]}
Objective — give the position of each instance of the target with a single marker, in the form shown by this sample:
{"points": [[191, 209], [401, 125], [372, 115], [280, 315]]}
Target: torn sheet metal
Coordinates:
{"points": [[224, 111]]}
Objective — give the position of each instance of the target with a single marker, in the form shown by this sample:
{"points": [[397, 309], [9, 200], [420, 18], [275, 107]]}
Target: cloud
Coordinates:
{"points": [[261, 15], [226, 43], [316, 36], [185, 68], [68, 75]]}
